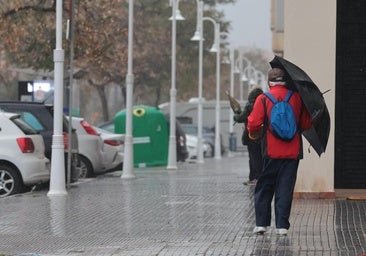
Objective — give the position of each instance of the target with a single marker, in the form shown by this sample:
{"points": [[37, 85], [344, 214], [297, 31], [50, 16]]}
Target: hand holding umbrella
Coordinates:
{"points": [[234, 104]]}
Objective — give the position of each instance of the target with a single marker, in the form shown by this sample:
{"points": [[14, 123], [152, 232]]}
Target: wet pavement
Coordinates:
{"points": [[199, 209]]}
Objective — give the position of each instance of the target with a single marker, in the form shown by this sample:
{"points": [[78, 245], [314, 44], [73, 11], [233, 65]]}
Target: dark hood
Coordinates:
{"points": [[254, 93]]}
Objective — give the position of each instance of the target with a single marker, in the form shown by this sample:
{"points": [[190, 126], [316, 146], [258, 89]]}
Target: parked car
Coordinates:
{"points": [[40, 117], [192, 147], [99, 150], [90, 148], [113, 149], [107, 126], [22, 159], [207, 133]]}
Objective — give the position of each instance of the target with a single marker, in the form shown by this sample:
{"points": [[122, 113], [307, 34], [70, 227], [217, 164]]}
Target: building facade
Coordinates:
{"points": [[328, 40]]}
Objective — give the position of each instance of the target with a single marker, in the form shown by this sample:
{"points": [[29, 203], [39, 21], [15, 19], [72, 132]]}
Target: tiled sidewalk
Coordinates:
{"points": [[200, 209]]}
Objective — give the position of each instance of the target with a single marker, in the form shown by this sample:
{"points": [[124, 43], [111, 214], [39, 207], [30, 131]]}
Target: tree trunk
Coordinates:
{"points": [[103, 98], [124, 94], [158, 95]]}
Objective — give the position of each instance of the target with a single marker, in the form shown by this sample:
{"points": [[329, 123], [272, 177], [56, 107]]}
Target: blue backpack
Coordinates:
{"points": [[282, 120]]}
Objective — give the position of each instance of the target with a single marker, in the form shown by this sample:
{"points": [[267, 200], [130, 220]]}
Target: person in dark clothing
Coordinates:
{"points": [[280, 157], [254, 146]]}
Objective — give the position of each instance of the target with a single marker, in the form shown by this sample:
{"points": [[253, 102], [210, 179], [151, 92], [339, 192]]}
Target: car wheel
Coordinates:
{"points": [[85, 167], [10, 181]]}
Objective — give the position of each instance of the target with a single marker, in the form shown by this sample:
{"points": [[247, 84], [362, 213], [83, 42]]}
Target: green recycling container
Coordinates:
{"points": [[150, 135]]}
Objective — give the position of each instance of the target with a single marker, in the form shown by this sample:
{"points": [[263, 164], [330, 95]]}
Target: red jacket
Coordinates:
{"points": [[273, 146]]}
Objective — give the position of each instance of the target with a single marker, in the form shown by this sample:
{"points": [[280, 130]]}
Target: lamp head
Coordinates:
{"points": [[178, 16], [214, 48], [244, 78], [225, 60], [236, 70], [196, 36]]}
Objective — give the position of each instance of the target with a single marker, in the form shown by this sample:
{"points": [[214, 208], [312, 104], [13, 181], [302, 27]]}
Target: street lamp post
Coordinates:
{"points": [[250, 74], [128, 172], [243, 75], [231, 113], [231, 121], [261, 78], [57, 179], [217, 110], [172, 153], [240, 79], [216, 48], [198, 36], [217, 105]]}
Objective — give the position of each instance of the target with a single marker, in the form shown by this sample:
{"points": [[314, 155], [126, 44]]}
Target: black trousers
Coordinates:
{"points": [[278, 179], [255, 159]]}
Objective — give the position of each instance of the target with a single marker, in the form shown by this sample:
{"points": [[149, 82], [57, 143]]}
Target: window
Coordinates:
{"points": [[23, 126], [30, 119]]}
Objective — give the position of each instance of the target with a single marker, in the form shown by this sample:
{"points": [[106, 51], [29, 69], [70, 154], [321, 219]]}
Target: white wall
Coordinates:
{"points": [[310, 42]]}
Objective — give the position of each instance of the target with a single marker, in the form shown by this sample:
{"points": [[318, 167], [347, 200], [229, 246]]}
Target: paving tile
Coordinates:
{"points": [[199, 209]]}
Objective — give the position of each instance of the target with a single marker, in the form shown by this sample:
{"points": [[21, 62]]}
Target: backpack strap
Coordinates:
{"points": [[288, 95], [270, 96], [265, 123], [274, 101]]}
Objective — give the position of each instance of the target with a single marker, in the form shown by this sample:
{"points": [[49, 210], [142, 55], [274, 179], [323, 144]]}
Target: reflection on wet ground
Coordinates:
{"points": [[200, 209]]}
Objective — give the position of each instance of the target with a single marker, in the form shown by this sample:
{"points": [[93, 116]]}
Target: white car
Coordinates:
{"points": [[112, 149], [90, 148], [192, 147], [22, 159], [99, 150]]}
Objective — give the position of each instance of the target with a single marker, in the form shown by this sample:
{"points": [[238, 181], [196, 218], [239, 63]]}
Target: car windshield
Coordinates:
{"points": [[207, 130], [101, 130], [190, 129], [108, 126]]}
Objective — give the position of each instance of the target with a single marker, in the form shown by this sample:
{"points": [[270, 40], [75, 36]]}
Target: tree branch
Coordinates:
{"points": [[30, 7]]}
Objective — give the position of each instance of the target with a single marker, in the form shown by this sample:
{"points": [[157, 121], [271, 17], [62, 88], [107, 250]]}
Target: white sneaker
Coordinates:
{"points": [[259, 230], [281, 231]]}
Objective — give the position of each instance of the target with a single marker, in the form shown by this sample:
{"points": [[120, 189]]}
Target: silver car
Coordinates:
{"points": [[99, 150]]}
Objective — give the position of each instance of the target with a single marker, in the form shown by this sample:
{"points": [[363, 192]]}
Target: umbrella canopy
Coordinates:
{"points": [[313, 99]]}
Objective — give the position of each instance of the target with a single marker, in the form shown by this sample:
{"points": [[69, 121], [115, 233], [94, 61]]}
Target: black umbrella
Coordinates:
{"points": [[313, 99]]}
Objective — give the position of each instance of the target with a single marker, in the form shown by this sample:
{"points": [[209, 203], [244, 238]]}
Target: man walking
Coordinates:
{"points": [[280, 157]]}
